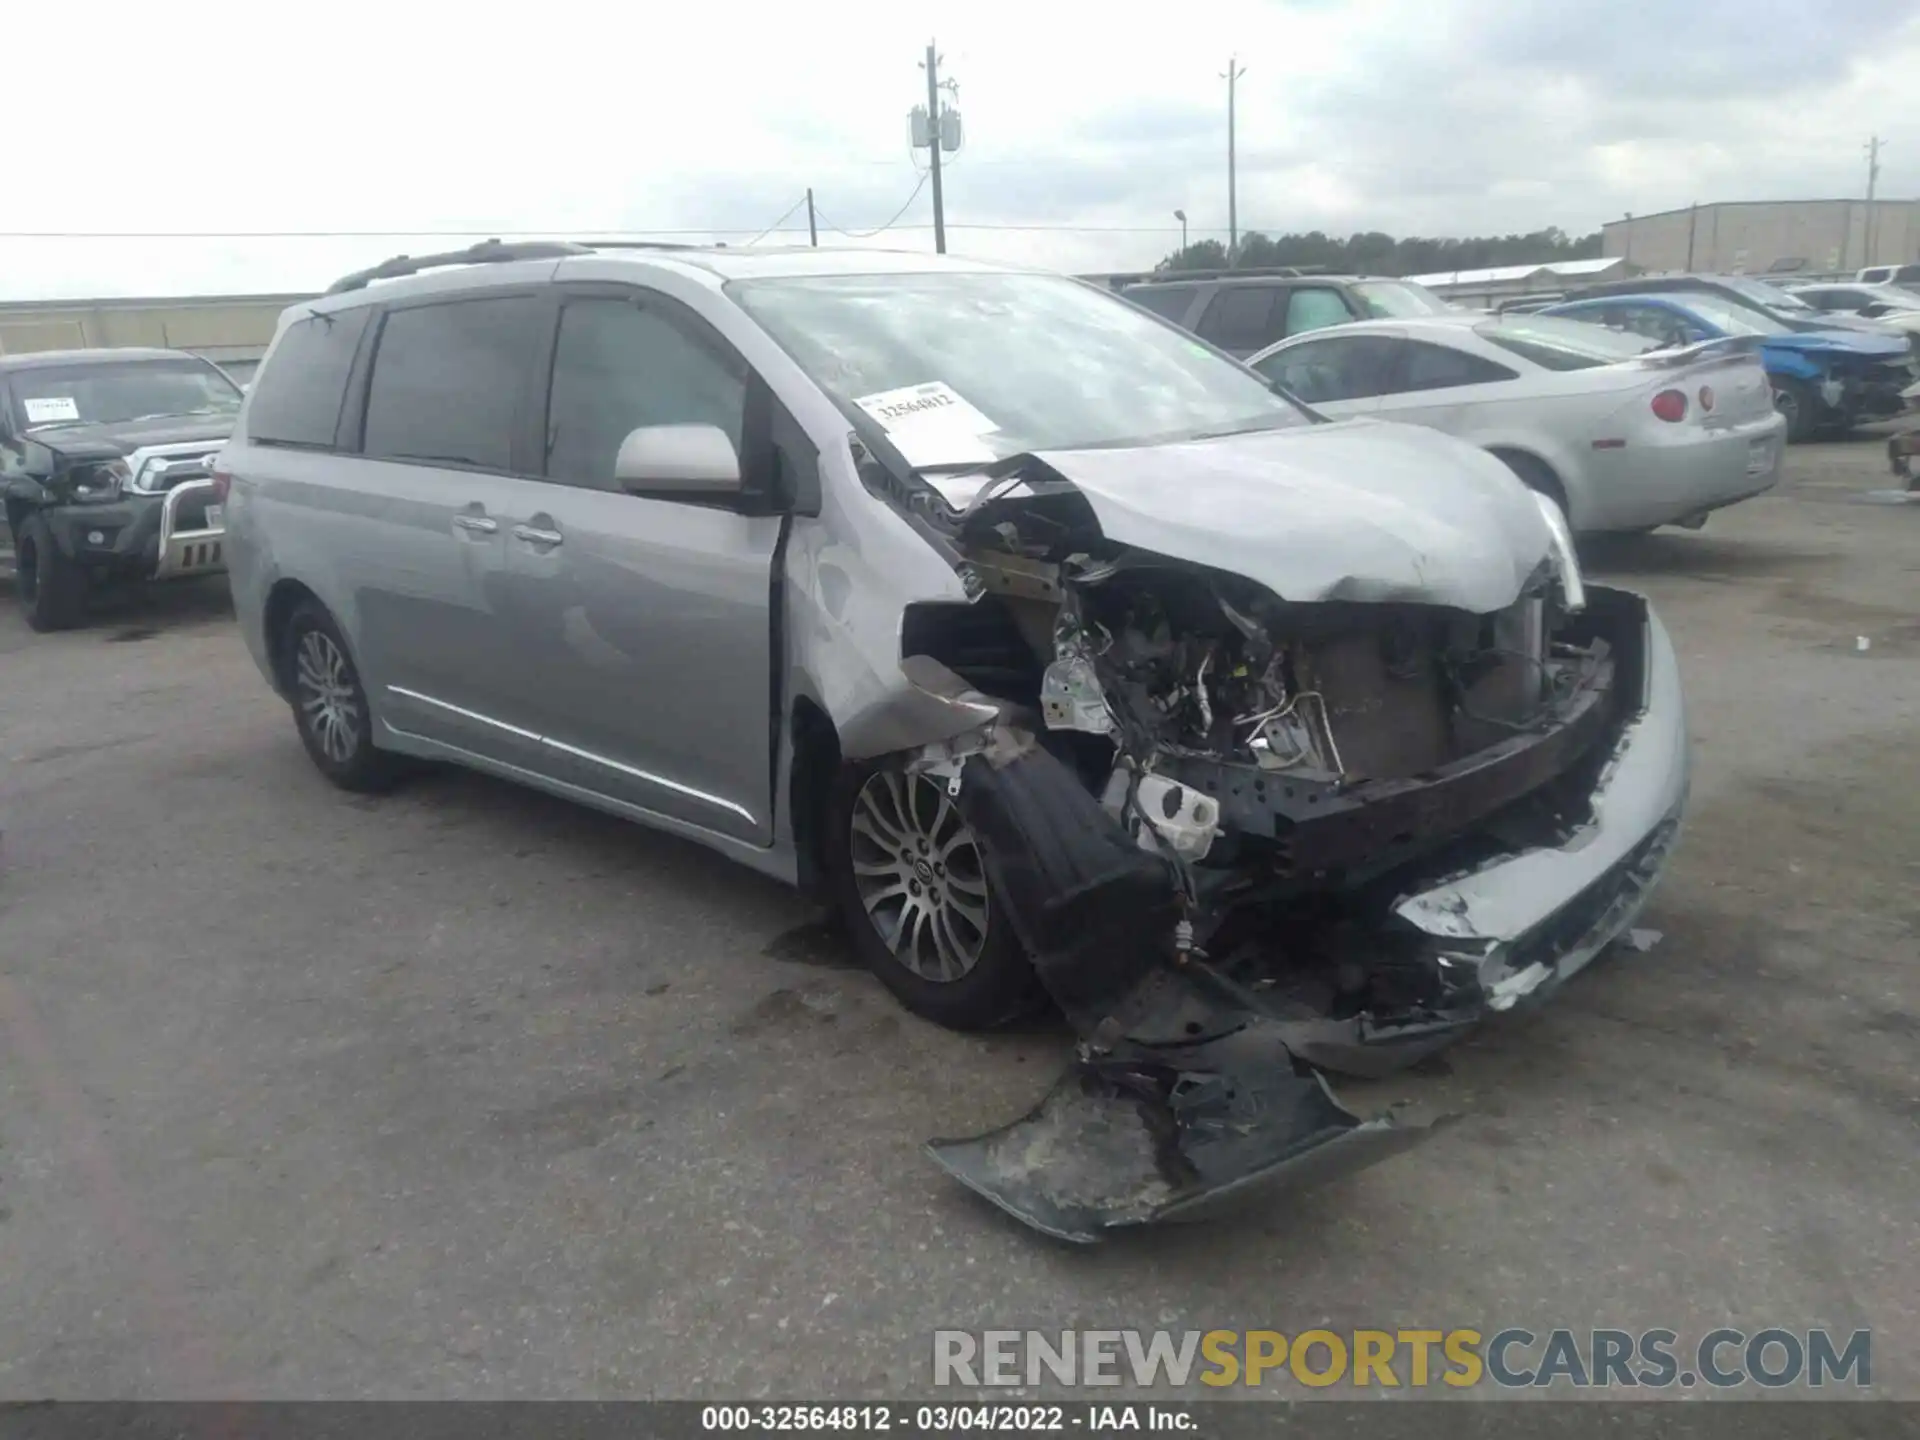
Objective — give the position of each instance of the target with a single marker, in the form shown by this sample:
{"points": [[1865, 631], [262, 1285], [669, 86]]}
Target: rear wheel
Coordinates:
{"points": [[911, 882], [330, 707], [1795, 401], [52, 588]]}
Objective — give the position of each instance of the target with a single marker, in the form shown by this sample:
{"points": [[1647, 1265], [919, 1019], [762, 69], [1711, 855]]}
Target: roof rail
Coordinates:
{"points": [[650, 245], [1161, 277], [487, 252]]}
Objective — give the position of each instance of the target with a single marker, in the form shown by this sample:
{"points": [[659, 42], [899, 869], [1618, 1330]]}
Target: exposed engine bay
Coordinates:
{"points": [[1200, 806]]}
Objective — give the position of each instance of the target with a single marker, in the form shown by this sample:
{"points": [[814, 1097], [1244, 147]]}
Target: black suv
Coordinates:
{"points": [[1244, 311], [104, 469]]}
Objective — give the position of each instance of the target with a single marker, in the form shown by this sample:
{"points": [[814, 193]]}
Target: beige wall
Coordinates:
{"points": [[1827, 234], [223, 328]]}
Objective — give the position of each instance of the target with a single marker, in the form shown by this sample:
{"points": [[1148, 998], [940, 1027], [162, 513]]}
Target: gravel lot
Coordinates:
{"points": [[467, 1092]]}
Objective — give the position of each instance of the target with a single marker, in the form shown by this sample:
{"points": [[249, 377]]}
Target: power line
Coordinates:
{"points": [[869, 234], [804, 199], [568, 232]]}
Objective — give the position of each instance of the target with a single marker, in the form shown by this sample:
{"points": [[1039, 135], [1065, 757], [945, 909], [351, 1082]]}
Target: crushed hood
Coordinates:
{"points": [[1358, 511]]}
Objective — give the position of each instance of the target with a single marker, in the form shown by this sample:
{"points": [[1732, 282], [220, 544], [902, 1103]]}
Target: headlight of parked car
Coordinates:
{"points": [[98, 484]]}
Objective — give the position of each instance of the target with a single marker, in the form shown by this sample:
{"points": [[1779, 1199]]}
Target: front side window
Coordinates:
{"points": [[1397, 299], [1314, 308], [120, 391], [619, 365], [1344, 367], [1041, 362], [447, 381]]}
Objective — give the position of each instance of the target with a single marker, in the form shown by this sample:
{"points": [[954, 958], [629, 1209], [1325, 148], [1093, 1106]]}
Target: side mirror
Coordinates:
{"points": [[696, 461]]}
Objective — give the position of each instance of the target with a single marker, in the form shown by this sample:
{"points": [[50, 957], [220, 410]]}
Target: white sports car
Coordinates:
{"points": [[1623, 436]]}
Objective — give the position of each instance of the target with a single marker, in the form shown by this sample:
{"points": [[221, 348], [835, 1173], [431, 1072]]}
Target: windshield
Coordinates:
{"points": [[969, 368], [1562, 344], [1730, 316], [1770, 297], [1397, 299], [116, 391]]}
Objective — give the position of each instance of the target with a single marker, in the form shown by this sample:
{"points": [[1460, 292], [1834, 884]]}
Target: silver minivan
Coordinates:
{"points": [[1069, 659]]}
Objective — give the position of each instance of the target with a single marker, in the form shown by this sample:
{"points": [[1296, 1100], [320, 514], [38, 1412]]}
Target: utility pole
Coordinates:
{"points": [[933, 150], [1234, 71], [1693, 220], [1873, 181], [813, 230]]}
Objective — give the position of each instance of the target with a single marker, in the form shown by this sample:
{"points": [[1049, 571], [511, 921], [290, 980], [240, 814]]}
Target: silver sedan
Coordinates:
{"points": [[1622, 436]]}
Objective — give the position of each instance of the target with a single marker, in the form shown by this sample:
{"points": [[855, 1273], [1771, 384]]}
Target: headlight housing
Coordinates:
{"points": [[98, 484]]}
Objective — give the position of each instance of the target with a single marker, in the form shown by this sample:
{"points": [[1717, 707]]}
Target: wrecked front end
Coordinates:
{"points": [[1246, 839]]}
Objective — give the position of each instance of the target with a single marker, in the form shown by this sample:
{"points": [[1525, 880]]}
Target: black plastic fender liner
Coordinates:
{"points": [[1091, 908], [1128, 1141], [1132, 1133]]}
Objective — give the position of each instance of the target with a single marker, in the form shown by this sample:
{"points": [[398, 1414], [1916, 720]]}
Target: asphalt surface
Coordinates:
{"points": [[468, 1092]]}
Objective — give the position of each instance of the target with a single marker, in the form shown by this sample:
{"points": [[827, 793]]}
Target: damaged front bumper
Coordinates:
{"points": [[1194, 1087]]}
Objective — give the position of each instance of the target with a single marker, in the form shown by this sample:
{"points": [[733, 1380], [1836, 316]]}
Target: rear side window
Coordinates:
{"points": [[447, 382], [1437, 367], [1240, 317], [296, 400], [1169, 302]]}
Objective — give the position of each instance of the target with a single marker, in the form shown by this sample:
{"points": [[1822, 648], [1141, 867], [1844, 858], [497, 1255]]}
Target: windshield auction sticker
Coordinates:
{"points": [[45, 409], [931, 424]]}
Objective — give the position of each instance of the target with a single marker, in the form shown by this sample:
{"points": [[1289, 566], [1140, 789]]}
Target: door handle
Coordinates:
{"points": [[536, 536], [478, 524]]}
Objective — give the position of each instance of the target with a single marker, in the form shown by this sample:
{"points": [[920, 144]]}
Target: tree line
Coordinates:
{"points": [[1373, 253]]}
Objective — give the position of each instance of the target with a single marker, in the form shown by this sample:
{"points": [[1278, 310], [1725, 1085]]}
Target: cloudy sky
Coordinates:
{"points": [[1087, 125]]}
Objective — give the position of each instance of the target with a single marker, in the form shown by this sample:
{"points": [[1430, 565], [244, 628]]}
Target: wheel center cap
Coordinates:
{"points": [[923, 872]]}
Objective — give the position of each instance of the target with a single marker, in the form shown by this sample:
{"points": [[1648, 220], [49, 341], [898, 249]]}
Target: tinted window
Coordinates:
{"points": [[1315, 309], [447, 381], [620, 365], [296, 399], [1346, 367], [1436, 367], [1393, 299], [1171, 302], [1240, 317], [1557, 344]]}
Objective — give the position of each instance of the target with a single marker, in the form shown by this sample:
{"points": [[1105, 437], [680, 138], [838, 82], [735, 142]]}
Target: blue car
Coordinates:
{"points": [[1821, 379]]}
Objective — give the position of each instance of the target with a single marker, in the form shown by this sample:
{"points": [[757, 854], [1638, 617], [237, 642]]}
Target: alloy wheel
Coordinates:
{"points": [[328, 695], [918, 872]]}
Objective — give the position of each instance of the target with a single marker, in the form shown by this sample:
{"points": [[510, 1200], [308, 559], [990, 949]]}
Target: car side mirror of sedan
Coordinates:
{"points": [[692, 462]]}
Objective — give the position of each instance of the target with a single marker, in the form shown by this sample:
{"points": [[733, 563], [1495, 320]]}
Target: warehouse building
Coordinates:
{"points": [[231, 330], [1751, 237]]}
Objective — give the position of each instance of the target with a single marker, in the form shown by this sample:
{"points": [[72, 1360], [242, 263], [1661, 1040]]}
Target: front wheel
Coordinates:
{"points": [[911, 882], [330, 707], [1795, 401], [52, 587]]}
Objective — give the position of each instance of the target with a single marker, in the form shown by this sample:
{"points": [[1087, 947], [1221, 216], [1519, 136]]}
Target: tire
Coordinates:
{"points": [[330, 707], [1537, 476], [52, 588], [1795, 401], [895, 842]]}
